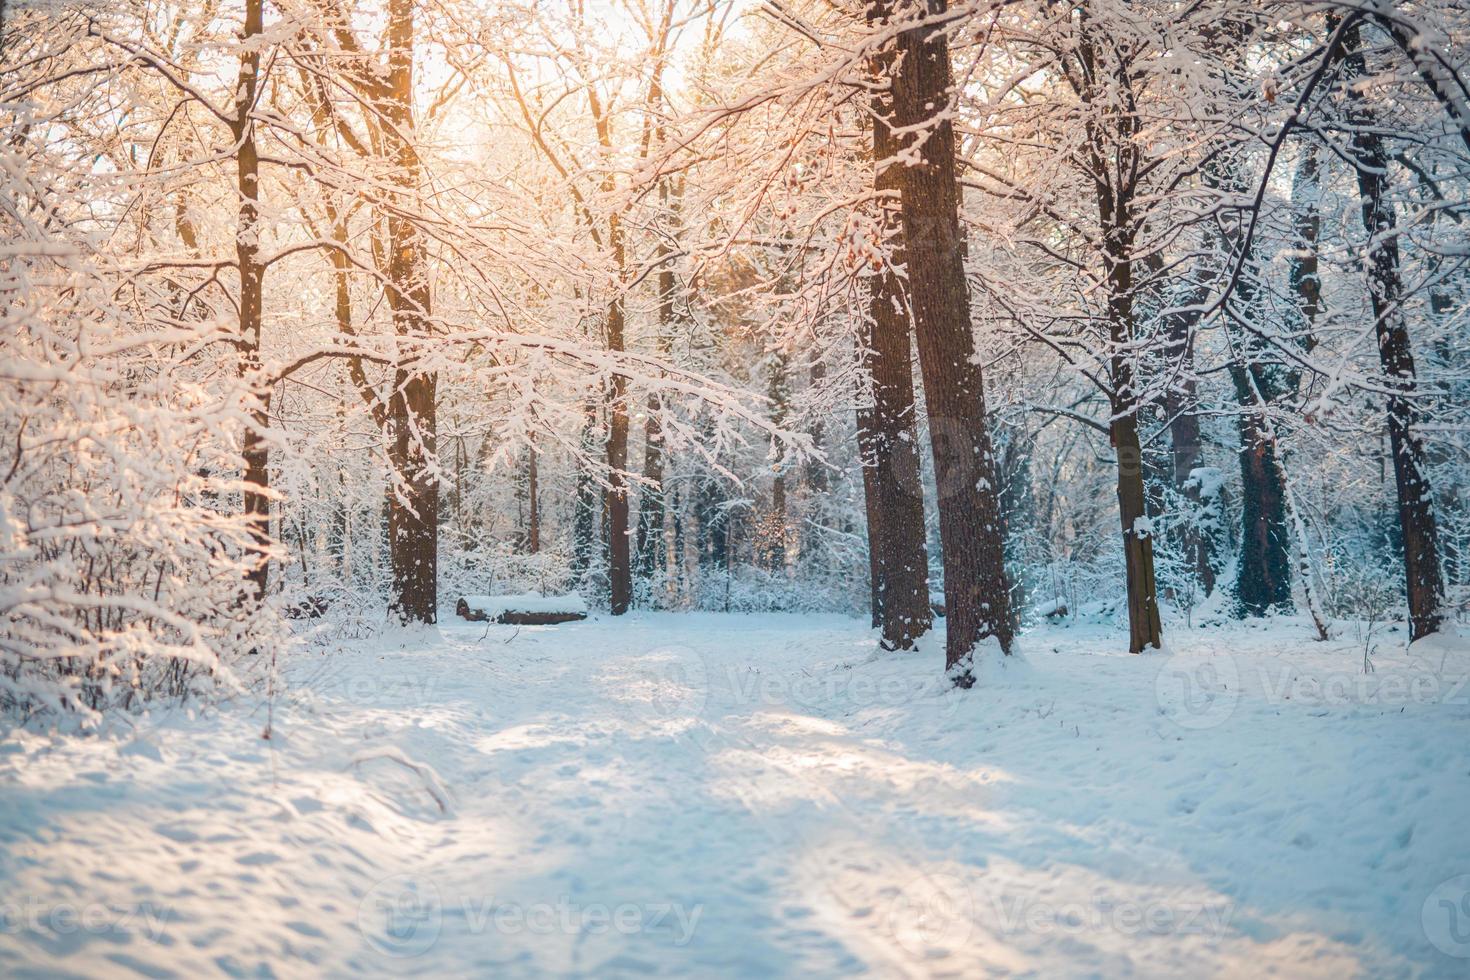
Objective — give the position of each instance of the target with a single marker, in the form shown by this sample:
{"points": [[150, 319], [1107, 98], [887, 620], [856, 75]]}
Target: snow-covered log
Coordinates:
{"points": [[529, 609]]}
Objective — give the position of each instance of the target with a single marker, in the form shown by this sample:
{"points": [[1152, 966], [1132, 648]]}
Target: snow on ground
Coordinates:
{"points": [[715, 795]]}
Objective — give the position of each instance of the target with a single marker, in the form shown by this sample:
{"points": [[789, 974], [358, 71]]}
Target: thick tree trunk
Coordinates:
{"points": [[255, 453], [887, 440], [1144, 628], [1263, 581], [1424, 583], [1263, 571], [413, 506], [887, 436], [1269, 520], [976, 592]]}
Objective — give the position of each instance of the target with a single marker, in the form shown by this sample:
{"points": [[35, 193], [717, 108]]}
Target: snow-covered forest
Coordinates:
{"points": [[893, 487]]}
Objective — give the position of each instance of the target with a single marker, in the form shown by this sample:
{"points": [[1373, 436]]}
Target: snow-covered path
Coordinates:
{"points": [[711, 795]]}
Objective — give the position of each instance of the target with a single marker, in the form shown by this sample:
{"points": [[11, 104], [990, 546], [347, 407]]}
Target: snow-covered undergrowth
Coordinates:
{"points": [[121, 575], [727, 795]]}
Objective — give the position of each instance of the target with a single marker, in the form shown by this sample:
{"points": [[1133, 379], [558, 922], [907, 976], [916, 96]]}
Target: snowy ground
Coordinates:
{"points": [[722, 795]]}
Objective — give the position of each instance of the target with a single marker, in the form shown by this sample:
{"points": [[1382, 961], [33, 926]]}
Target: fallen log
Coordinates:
{"points": [[530, 609], [1055, 610]]}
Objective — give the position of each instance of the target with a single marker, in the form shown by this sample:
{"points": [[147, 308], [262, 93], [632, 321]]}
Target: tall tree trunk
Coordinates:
{"points": [[1144, 627], [255, 453], [413, 505], [1263, 579], [1180, 403], [1281, 481], [619, 545], [976, 593], [894, 494], [1111, 151], [651, 545], [887, 437], [1263, 570], [1424, 583]]}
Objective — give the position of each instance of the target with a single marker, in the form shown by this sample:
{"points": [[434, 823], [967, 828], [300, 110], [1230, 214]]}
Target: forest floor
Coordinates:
{"points": [[710, 795]]}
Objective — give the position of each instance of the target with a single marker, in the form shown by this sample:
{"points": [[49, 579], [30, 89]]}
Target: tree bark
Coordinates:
{"points": [[255, 452], [771, 529], [584, 518], [1424, 582], [1144, 627], [1263, 579], [1111, 149], [888, 442], [1269, 519], [1303, 275], [976, 593], [619, 545], [413, 506], [1180, 403], [533, 499], [651, 544], [887, 436]]}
